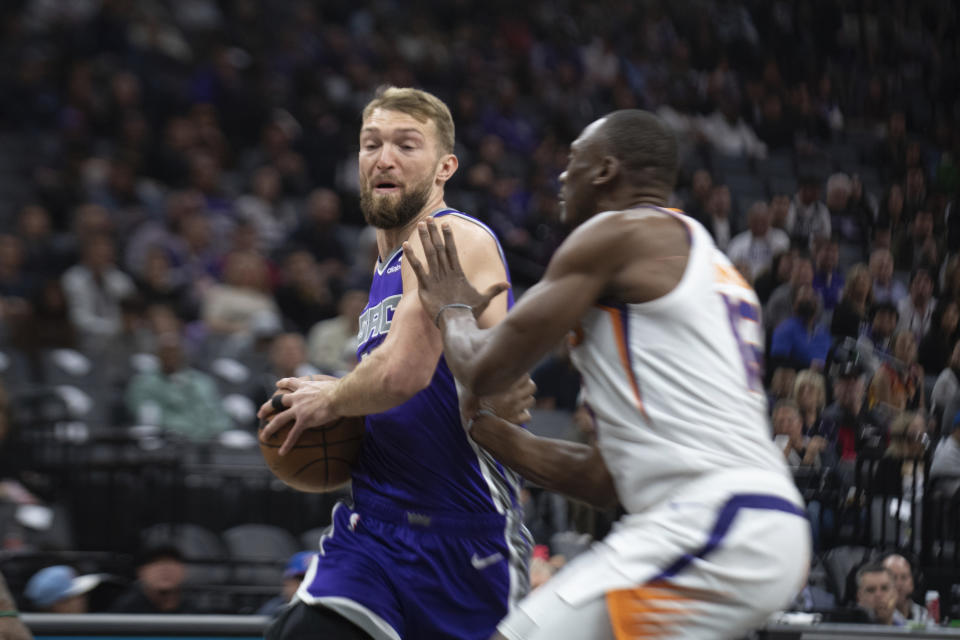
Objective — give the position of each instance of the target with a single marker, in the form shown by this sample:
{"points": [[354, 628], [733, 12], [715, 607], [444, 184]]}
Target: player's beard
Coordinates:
{"points": [[387, 212]]}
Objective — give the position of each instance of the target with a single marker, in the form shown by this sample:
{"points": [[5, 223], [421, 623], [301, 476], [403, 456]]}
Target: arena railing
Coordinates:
{"points": [[144, 627]]}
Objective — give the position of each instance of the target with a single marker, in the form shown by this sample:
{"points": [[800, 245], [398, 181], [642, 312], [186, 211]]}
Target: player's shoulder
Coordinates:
{"points": [[636, 228], [467, 227]]}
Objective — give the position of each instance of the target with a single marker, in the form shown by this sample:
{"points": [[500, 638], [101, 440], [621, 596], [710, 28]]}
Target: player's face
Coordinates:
{"points": [[398, 161], [576, 201]]}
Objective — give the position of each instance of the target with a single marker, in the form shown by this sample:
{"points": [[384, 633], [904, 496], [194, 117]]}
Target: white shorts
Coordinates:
{"points": [[714, 561]]}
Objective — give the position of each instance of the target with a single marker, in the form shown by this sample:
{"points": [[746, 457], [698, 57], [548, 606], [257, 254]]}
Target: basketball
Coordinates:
{"points": [[320, 460]]}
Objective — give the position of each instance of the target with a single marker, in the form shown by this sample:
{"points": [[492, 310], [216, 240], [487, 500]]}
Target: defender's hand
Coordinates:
{"points": [[445, 282], [512, 405]]}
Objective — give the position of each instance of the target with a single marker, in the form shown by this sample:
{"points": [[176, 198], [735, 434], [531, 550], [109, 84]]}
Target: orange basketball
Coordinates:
{"points": [[320, 460]]}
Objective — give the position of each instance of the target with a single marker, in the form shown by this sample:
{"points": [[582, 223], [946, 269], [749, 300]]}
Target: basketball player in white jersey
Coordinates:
{"points": [[667, 336]]}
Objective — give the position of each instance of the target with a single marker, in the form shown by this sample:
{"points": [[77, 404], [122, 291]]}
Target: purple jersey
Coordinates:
{"points": [[417, 455], [434, 544]]}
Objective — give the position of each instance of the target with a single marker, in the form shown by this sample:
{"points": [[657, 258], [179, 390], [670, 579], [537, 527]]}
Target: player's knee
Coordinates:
{"points": [[301, 621]]}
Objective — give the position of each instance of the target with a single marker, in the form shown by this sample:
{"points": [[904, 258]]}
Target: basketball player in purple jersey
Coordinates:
{"points": [[433, 544]]}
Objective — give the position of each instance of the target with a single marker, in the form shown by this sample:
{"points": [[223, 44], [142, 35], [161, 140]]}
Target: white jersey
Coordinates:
{"points": [[675, 384]]}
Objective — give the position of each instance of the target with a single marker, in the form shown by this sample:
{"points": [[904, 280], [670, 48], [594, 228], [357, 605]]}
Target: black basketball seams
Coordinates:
{"points": [[326, 460], [312, 445]]}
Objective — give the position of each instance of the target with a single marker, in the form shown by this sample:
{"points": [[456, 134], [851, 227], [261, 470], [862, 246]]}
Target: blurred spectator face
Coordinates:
{"points": [[897, 125], [288, 352], [802, 272], [156, 268], [244, 237], [196, 232], [246, 269], [779, 208], [881, 266], [266, 183], [772, 108], [399, 163], [352, 304], [170, 353], [204, 173], [905, 347], [180, 134], [785, 267], [860, 284], [74, 604], [92, 219], [949, 319], [955, 357], [782, 382], [922, 225], [323, 207], [300, 267], [875, 593], [162, 320], [884, 322], [913, 155], [11, 253], [848, 392], [122, 178], [99, 253], [161, 580], [758, 219], [34, 222], [838, 192], [895, 201], [828, 257], [719, 204], [702, 184], [915, 181], [805, 303], [786, 421], [126, 89], [921, 287], [899, 568], [809, 193]]}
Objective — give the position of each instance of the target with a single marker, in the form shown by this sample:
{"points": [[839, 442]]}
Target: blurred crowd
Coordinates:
{"points": [[179, 220]]}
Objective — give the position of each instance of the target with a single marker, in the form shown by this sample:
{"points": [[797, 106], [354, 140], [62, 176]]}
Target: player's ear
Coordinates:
{"points": [[607, 170], [447, 167]]}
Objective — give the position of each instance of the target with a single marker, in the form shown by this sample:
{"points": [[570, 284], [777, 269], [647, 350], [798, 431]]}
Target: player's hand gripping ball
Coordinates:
{"points": [[320, 460]]}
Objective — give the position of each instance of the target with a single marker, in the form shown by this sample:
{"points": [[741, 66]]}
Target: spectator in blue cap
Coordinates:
{"points": [[58, 589], [292, 576]]}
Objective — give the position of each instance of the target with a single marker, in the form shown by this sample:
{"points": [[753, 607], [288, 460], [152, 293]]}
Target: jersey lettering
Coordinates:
{"points": [[745, 324], [375, 321]]}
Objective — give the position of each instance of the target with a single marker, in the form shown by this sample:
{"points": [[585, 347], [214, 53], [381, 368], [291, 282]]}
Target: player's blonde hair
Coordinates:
{"points": [[421, 106]]}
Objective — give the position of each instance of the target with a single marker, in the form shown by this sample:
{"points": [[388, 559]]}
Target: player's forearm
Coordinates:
{"points": [[573, 469], [484, 362], [377, 384]]}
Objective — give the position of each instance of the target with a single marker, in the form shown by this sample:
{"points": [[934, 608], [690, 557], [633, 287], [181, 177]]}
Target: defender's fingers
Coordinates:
{"points": [[414, 263], [429, 251], [437, 242], [450, 248], [492, 292]]}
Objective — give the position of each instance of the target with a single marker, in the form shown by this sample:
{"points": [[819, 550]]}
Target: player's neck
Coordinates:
{"points": [[631, 198], [389, 240]]}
